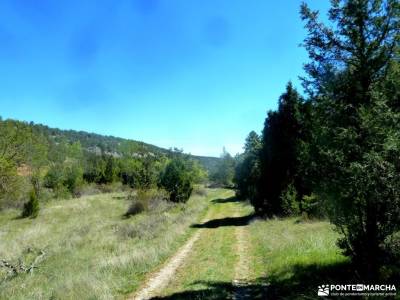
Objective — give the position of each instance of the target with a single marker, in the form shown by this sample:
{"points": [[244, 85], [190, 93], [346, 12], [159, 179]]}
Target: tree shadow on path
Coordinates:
{"points": [[297, 282], [229, 221], [214, 290], [226, 200]]}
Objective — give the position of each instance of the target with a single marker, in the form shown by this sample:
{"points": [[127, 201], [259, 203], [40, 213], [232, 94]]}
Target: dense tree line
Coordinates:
{"points": [[337, 150], [36, 166]]}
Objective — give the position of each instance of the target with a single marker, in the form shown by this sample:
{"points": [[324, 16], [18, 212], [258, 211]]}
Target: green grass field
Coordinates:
{"points": [[291, 257], [92, 251]]}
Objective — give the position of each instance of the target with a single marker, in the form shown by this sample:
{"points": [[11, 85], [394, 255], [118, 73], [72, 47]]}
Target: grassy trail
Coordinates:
{"points": [[236, 256], [217, 260]]}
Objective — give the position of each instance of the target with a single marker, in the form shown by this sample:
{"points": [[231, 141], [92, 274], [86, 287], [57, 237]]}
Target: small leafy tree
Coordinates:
{"points": [[176, 180], [73, 178], [111, 171], [19, 146], [54, 177], [31, 208]]}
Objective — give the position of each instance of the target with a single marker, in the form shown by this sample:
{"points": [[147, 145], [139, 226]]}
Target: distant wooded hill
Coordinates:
{"points": [[111, 145]]}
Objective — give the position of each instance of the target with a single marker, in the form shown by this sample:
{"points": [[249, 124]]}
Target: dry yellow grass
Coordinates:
{"points": [[92, 252]]}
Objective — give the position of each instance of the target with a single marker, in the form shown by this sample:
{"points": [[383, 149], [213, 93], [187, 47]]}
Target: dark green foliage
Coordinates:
{"points": [[100, 169], [290, 203], [247, 171], [95, 166], [73, 178], [136, 207], [356, 145], [31, 208], [111, 170], [338, 153], [283, 135], [54, 177], [313, 207], [176, 180]]}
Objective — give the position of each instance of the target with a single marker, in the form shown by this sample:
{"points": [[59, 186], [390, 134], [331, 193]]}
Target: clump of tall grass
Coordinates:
{"points": [[146, 200]]}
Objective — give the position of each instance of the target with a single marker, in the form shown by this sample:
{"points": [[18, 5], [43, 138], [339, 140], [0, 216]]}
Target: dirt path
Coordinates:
{"points": [[161, 279], [213, 263], [242, 269]]}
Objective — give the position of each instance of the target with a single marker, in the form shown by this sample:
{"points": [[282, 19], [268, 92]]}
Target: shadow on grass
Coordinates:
{"points": [[304, 282], [214, 290], [300, 283], [229, 221], [226, 200]]}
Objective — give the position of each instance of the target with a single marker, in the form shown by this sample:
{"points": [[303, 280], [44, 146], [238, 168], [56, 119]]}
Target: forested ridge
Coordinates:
{"points": [[63, 163]]}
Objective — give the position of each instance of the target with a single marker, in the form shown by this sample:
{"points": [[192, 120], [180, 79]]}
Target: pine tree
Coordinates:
{"points": [[176, 180], [280, 152], [356, 146], [247, 171]]}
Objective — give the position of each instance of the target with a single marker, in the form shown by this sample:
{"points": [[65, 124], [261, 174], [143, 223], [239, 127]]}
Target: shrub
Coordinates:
{"points": [[312, 207], [147, 200], [54, 177], [176, 180], [140, 202], [73, 178], [290, 205], [135, 208], [31, 208]]}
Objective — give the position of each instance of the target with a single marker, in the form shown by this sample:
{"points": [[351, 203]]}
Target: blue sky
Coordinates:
{"points": [[197, 75]]}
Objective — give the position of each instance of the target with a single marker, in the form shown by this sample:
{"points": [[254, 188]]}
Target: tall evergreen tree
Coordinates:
{"points": [[247, 171], [176, 180], [280, 152], [357, 145]]}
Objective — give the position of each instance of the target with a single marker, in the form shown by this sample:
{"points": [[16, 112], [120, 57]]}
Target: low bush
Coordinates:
{"points": [[135, 208], [312, 207], [290, 204], [31, 208], [145, 200], [176, 180]]}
